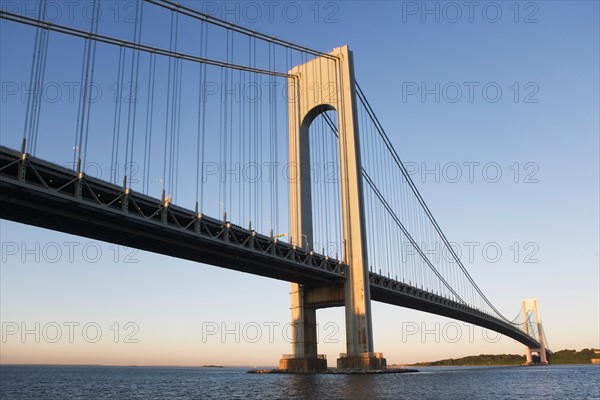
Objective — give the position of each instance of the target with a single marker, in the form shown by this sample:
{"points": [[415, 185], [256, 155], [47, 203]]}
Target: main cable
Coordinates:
{"points": [[387, 142], [141, 47], [190, 12]]}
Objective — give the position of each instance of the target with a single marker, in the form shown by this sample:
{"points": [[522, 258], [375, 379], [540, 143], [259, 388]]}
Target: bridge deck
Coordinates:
{"points": [[39, 193], [43, 194]]}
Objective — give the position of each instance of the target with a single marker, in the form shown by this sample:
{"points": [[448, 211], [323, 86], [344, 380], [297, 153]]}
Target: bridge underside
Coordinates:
{"points": [[52, 197], [389, 291], [42, 194]]}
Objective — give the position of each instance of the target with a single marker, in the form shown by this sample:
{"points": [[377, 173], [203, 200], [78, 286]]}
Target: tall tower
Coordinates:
{"points": [[323, 84], [531, 305]]}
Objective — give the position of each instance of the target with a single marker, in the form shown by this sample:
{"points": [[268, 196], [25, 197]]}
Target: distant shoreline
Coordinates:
{"points": [[561, 357], [122, 366]]}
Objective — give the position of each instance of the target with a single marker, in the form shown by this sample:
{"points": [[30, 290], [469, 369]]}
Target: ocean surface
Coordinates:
{"points": [[96, 382]]}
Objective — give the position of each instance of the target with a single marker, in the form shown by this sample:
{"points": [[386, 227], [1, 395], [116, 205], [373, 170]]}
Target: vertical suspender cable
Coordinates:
{"points": [[133, 91], [33, 84], [326, 220], [275, 146], [260, 148], [84, 96], [174, 114], [240, 150], [167, 114], [256, 136], [249, 159], [177, 128], [80, 105], [201, 121], [117, 115], [39, 81], [149, 121], [203, 134], [271, 140], [233, 166], [223, 137], [89, 84]]}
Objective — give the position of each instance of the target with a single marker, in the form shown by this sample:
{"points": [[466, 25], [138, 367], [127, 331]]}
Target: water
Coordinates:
{"points": [[91, 382]]}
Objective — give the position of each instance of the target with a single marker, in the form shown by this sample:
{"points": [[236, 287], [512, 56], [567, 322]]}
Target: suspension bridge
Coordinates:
{"points": [[235, 149]]}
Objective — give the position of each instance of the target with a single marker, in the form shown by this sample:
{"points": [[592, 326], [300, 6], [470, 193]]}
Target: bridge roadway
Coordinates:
{"points": [[43, 194]]}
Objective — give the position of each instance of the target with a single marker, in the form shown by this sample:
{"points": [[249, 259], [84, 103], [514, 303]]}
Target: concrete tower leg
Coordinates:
{"points": [[304, 358], [323, 84], [527, 306], [528, 355]]}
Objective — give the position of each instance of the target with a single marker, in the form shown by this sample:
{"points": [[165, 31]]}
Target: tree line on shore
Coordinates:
{"points": [[559, 357]]}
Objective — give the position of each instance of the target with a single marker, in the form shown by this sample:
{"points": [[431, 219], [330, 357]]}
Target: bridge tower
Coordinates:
{"points": [[531, 305], [322, 84]]}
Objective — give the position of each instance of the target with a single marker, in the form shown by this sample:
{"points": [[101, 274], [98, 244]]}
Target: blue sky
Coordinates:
{"points": [[541, 133]]}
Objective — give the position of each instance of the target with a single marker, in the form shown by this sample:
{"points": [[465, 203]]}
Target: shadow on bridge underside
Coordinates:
{"points": [[39, 193]]}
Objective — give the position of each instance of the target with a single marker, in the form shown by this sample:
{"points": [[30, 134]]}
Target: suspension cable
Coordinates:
{"points": [[190, 12], [141, 47], [399, 223], [388, 144]]}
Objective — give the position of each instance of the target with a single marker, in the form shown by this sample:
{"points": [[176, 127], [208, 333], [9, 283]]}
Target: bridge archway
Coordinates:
{"points": [[321, 127], [313, 114]]}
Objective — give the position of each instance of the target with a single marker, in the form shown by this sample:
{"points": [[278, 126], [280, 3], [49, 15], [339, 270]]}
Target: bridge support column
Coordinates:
{"points": [[323, 84], [531, 305], [528, 355], [304, 358]]}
